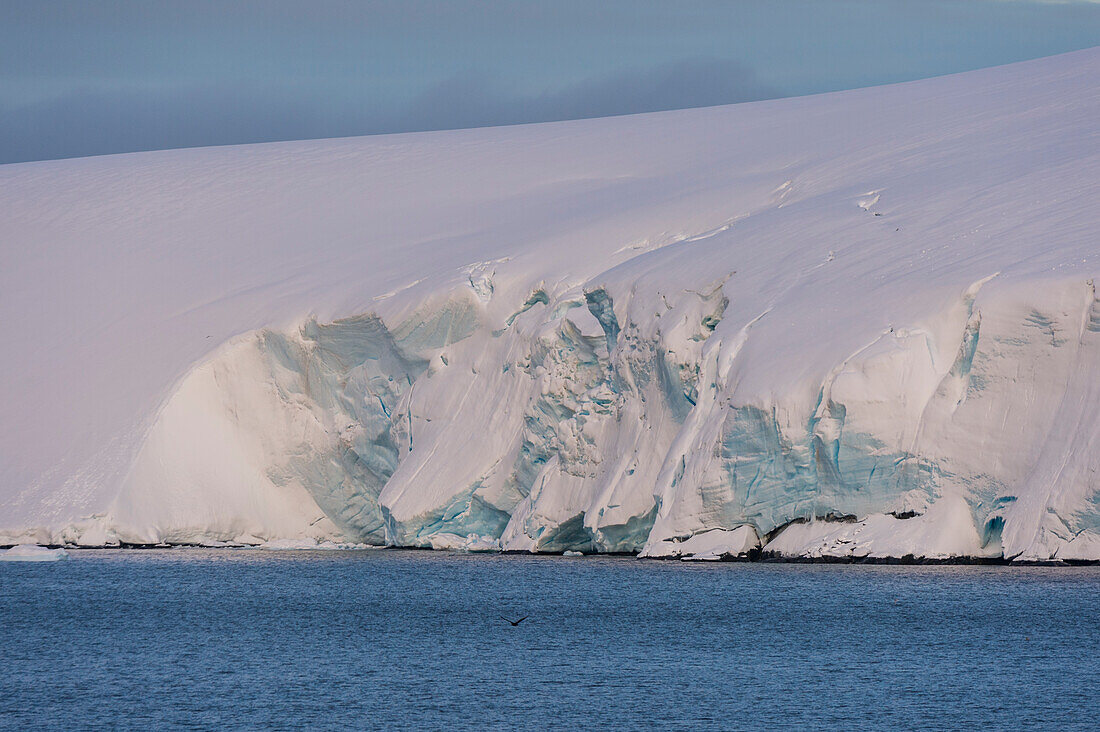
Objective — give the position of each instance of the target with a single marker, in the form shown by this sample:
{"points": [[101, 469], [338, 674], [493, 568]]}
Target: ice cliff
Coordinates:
{"points": [[861, 324]]}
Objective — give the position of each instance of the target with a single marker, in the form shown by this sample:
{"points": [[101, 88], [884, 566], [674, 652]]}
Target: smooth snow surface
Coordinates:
{"points": [[32, 553], [672, 334]]}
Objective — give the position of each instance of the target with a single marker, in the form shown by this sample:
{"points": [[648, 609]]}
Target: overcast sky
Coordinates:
{"points": [[89, 77]]}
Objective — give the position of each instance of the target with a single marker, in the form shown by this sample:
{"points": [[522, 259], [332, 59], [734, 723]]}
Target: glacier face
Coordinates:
{"points": [[574, 427], [856, 325]]}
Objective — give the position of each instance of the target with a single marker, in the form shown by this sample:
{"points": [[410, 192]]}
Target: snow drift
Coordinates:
{"points": [[862, 324]]}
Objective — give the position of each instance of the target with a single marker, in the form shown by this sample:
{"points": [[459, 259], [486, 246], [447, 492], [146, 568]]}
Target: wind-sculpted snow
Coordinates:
{"points": [[861, 325]]}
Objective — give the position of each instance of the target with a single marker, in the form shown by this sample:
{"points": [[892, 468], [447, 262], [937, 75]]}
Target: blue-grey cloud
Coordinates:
{"points": [[92, 123], [89, 123], [81, 78], [471, 100]]}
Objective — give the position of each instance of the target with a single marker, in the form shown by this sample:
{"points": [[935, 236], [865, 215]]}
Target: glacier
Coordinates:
{"points": [[859, 325]]}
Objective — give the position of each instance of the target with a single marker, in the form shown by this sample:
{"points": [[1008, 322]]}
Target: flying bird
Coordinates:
{"points": [[514, 622]]}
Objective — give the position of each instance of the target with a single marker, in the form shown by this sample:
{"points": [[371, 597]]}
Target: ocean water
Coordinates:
{"points": [[248, 639]]}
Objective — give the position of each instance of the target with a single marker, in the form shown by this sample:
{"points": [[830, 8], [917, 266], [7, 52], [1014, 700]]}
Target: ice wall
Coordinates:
{"points": [[854, 325], [576, 425]]}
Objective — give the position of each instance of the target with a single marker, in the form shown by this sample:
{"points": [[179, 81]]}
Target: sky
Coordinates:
{"points": [[90, 77]]}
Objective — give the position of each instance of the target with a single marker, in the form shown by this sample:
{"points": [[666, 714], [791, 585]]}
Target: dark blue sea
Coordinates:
{"points": [[249, 639]]}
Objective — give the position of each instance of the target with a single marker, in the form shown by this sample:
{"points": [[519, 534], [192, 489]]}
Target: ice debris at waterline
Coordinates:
{"points": [[861, 324], [32, 553], [309, 544]]}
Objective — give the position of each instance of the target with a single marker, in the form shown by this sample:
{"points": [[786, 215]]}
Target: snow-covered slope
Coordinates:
{"points": [[857, 324]]}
